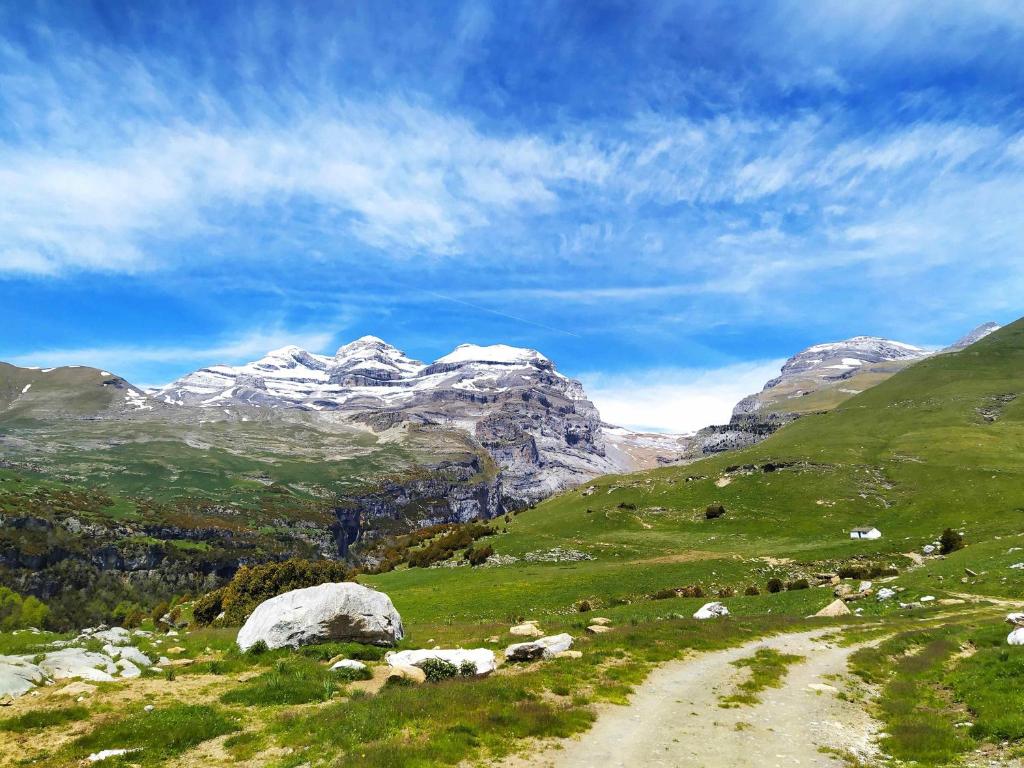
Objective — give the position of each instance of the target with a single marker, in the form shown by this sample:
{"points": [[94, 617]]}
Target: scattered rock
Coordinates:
{"points": [[823, 687], [544, 648], [96, 757], [711, 611], [835, 608], [526, 629], [1016, 619], [569, 655], [176, 650], [969, 572], [598, 629], [412, 674], [335, 611], [148, 708], [481, 658], [78, 689], [885, 594], [76, 662], [18, 676], [927, 598], [127, 669], [353, 664], [601, 621], [129, 652], [1016, 637]]}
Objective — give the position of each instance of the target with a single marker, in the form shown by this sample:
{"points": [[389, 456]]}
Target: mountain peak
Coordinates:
{"points": [[493, 353], [977, 334]]}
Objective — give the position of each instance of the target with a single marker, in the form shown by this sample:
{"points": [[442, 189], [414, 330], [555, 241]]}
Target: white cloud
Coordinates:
{"points": [[676, 399], [124, 359]]}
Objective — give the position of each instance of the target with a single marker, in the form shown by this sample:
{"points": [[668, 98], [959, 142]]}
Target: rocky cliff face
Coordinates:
{"points": [[537, 424]]}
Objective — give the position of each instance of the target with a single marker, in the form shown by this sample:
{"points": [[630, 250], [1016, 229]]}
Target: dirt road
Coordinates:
{"points": [[674, 718]]}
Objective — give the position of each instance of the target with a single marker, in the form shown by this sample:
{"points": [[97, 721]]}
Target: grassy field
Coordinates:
{"points": [[939, 445]]}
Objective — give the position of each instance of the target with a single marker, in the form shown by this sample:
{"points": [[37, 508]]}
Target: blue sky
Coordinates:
{"points": [[665, 197]]}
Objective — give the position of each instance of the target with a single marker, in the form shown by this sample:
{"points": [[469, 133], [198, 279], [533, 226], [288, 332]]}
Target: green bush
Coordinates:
{"points": [[751, 591], [437, 670], [446, 545], [774, 585], [950, 541], [478, 555], [714, 511], [17, 612], [255, 583], [467, 669], [798, 584], [351, 675]]}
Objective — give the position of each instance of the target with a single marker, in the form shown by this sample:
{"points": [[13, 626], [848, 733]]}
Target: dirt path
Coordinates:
{"points": [[674, 718]]}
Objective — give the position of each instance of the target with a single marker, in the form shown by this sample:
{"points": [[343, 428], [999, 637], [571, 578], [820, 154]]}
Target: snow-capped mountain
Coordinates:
{"points": [[537, 424], [976, 335], [834, 370]]}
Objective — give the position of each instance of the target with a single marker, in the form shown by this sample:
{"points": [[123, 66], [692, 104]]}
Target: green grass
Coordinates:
{"points": [[43, 718], [767, 668], [164, 733], [290, 681]]}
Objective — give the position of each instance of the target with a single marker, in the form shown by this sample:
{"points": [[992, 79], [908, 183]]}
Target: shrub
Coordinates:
{"points": [[726, 592], [478, 555], [751, 591], [774, 585], [714, 511], [349, 675], [665, 594], [950, 541], [17, 612], [798, 584], [584, 606], [208, 607], [255, 583], [437, 670], [692, 590], [258, 648], [446, 545], [627, 505], [467, 669]]}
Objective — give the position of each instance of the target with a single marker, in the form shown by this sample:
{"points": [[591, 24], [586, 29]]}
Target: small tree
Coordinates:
{"points": [[950, 541], [775, 585]]}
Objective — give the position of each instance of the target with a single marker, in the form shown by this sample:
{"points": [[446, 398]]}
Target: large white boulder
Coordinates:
{"points": [[1016, 619], [335, 611], [79, 663], [541, 648], [482, 658], [711, 611], [18, 675], [1016, 637]]}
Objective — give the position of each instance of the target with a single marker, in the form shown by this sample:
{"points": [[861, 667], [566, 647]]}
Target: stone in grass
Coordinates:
{"points": [[600, 621], [711, 611], [76, 662], [18, 676], [885, 594], [341, 612], [408, 674], [353, 664], [1016, 637], [836, 608], [482, 659], [1016, 619], [598, 629], [103, 754], [542, 648], [526, 629]]}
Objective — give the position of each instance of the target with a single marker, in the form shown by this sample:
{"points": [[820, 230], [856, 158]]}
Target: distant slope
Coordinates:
{"points": [[939, 444]]}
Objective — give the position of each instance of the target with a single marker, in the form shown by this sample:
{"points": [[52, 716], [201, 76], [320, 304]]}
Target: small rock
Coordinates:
{"points": [[823, 687], [601, 621], [927, 598], [148, 708], [835, 608], [412, 674], [598, 629], [482, 658], [711, 611], [885, 594], [103, 754], [352, 664], [526, 629], [176, 649], [544, 648]]}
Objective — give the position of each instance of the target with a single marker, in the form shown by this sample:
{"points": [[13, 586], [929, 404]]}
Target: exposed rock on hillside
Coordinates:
{"points": [[330, 612]]}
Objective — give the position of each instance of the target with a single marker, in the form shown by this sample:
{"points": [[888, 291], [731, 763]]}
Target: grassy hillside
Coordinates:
{"points": [[939, 445]]}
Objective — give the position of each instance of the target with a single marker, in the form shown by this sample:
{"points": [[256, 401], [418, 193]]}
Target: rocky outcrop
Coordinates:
{"points": [[541, 648], [345, 612], [482, 659]]}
